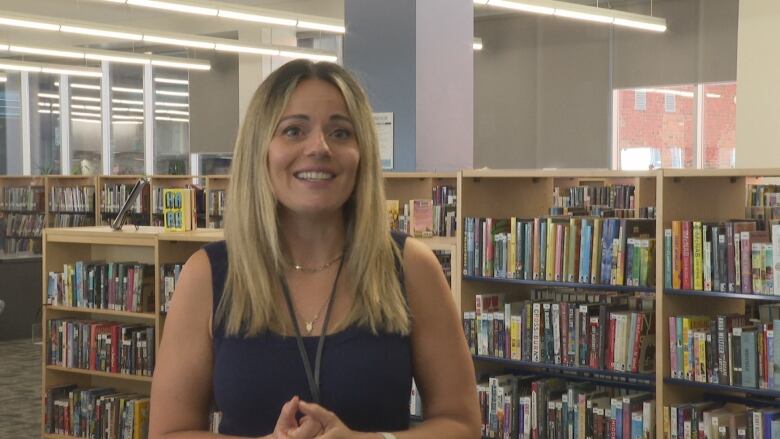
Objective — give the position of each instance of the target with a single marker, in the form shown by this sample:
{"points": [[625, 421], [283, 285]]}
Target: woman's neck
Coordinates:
{"points": [[312, 241]]}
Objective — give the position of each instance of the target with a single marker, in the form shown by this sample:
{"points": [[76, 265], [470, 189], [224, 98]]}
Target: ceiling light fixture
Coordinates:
{"points": [[48, 95], [235, 15], [172, 104], [172, 81], [100, 33], [128, 109], [85, 107], [172, 93], [179, 42], [126, 122], [180, 113], [85, 99], [323, 27], [581, 12], [79, 113], [29, 24], [46, 52], [74, 119], [245, 49], [83, 86], [123, 117], [477, 44], [182, 65], [306, 55], [171, 119], [175, 7], [126, 102], [128, 90]]}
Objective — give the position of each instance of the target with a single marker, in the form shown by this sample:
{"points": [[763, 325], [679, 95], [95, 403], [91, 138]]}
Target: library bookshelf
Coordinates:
{"points": [[708, 196], [147, 245], [405, 186]]}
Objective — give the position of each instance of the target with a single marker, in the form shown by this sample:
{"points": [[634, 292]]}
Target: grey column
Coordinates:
{"points": [[415, 60]]}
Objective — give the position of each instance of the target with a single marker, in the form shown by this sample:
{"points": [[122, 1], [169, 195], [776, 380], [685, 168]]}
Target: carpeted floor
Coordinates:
{"points": [[20, 390]]}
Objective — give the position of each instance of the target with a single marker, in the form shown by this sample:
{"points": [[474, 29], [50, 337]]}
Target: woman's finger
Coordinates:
{"points": [[320, 414], [308, 428]]}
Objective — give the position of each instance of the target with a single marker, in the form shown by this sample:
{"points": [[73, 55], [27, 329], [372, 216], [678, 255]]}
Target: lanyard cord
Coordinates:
{"points": [[312, 378]]}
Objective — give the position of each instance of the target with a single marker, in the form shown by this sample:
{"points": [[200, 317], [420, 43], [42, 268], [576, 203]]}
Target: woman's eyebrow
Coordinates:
{"points": [[295, 116]]}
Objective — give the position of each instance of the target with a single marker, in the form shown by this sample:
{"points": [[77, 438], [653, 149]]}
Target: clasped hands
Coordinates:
{"points": [[316, 422]]}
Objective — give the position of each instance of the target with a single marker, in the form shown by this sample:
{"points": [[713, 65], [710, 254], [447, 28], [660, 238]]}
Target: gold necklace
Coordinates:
{"points": [[303, 269], [309, 324]]}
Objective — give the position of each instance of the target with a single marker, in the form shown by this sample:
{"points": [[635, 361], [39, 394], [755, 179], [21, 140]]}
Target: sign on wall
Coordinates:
{"points": [[384, 134]]}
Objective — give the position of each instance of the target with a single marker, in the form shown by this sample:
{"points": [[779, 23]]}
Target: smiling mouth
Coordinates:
{"points": [[314, 176]]}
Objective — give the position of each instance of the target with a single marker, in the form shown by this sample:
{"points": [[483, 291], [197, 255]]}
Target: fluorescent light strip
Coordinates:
{"points": [[180, 113], [581, 12], [79, 113], [116, 58], [320, 26], [181, 65], [172, 93], [83, 86], [126, 122], [126, 102], [172, 104], [179, 42], [128, 90], [171, 119], [128, 109], [85, 99], [48, 95], [30, 24], [46, 52], [259, 17], [175, 7], [100, 33], [85, 107], [245, 49], [71, 72], [44, 104], [3, 78], [304, 55], [124, 117], [172, 81], [20, 67], [256, 18], [74, 119], [44, 111]]}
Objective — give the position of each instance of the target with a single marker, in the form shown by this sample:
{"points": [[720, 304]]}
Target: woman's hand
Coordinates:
{"points": [[332, 427], [288, 427]]}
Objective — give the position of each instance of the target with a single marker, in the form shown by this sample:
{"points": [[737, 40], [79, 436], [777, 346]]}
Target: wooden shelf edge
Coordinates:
{"points": [[724, 388], [646, 378], [106, 312], [575, 285], [122, 376], [721, 295]]}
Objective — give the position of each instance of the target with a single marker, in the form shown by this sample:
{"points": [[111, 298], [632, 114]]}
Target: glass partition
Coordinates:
{"points": [[127, 119], [171, 121], [86, 133], [10, 123], [45, 135]]}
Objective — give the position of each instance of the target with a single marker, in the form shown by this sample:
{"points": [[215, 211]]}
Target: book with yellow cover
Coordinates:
{"points": [[393, 209], [178, 210]]}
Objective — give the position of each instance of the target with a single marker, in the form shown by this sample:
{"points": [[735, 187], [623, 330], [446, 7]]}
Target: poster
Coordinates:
{"points": [[384, 134]]}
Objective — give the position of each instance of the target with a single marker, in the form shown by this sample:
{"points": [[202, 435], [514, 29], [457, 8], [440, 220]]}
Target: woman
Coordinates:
{"points": [[321, 318]]}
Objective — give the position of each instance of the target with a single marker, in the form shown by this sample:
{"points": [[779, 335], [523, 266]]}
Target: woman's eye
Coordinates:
{"points": [[292, 132], [341, 134]]}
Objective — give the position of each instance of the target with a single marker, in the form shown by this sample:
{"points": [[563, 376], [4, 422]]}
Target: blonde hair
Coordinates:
{"points": [[254, 250]]}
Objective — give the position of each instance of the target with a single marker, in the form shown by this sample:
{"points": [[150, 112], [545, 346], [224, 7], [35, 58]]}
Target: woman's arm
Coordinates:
{"points": [[443, 368], [181, 387]]}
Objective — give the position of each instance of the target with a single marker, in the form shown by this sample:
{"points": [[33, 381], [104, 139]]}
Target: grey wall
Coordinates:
{"points": [[213, 104], [380, 51], [543, 84]]}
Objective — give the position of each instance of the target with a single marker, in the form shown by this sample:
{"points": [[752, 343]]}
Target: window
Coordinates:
{"points": [[640, 100], [719, 123], [654, 137], [669, 102], [683, 126]]}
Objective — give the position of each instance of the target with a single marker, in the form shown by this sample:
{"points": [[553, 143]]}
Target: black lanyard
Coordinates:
{"points": [[312, 378]]}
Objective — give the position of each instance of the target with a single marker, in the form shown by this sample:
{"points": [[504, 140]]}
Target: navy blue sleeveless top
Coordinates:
{"points": [[365, 378]]}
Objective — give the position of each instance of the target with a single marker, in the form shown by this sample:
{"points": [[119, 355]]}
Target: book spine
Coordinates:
{"points": [[746, 262], [730, 267], [686, 255], [697, 257], [667, 258], [676, 254]]}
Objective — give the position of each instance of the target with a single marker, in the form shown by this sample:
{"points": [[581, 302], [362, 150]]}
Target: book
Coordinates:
{"points": [[178, 211]]}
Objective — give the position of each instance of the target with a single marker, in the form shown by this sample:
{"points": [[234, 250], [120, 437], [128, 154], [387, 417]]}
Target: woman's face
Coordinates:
{"points": [[313, 157]]}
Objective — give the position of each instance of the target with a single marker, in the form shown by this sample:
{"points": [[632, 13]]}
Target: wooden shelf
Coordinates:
{"points": [[720, 295], [724, 388], [96, 373], [597, 375], [104, 312], [576, 285]]}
